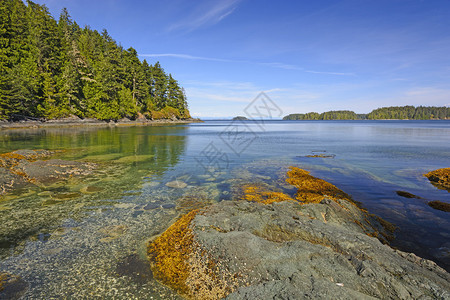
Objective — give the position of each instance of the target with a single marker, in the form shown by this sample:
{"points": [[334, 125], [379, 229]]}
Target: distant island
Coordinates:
{"points": [[384, 113], [57, 70], [240, 118]]}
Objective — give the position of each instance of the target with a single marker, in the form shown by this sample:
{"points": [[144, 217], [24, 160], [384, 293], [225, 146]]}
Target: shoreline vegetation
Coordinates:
{"points": [[54, 69], [408, 112]]}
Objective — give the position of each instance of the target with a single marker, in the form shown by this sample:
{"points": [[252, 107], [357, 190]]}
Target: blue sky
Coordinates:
{"points": [[306, 55]]}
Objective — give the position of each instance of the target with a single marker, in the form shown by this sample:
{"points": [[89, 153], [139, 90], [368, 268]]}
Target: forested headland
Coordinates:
{"points": [[384, 113], [53, 69]]}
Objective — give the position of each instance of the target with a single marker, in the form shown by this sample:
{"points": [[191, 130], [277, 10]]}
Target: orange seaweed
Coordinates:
{"points": [[311, 189], [170, 251]]}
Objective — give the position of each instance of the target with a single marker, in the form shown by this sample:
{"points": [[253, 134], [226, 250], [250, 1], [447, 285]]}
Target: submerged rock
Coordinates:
{"points": [[440, 178], [91, 189], [135, 268], [10, 180], [407, 195], [195, 198], [50, 171], [176, 184], [23, 168], [12, 286], [440, 205], [321, 155], [113, 232]]}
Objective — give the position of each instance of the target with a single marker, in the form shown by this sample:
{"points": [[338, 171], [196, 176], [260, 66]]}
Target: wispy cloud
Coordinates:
{"points": [[331, 73], [206, 16], [268, 64], [185, 56]]}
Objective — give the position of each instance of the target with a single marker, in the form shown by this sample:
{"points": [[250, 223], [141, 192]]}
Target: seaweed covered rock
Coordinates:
{"points": [[439, 205], [247, 250], [170, 252], [440, 178], [49, 171], [12, 159], [262, 194], [270, 245], [311, 189], [23, 168]]}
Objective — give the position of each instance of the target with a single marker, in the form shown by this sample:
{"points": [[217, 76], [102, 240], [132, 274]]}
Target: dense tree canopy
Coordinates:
{"points": [[53, 69], [329, 115], [410, 113], [384, 113]]}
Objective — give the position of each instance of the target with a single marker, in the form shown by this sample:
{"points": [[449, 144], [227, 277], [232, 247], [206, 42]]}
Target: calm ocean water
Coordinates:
{"points": [[87, 243]]}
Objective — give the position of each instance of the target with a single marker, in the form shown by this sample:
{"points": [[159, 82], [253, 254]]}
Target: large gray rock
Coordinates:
{"points": [[314, 251]]}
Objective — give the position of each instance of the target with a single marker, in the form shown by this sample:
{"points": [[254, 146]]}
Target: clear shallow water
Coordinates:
{"points": [[94, 243]]}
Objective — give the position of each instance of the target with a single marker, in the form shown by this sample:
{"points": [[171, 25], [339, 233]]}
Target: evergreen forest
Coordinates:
{"points": [[385, 113], [51, 69]]}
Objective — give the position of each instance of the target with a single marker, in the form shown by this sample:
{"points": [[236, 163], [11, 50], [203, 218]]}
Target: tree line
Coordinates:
{"points": [[54, 69], [384, 113]]}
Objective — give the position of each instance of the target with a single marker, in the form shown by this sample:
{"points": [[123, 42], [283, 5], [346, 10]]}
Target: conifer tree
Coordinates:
{"points": [[55, 69]]}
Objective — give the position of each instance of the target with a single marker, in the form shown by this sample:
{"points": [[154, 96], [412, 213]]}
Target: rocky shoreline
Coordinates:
{"points": [[75, 122], [319, 244]]}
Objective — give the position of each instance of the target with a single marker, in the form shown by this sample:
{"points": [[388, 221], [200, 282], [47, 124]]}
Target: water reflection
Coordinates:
{"points": [[124, 157]]}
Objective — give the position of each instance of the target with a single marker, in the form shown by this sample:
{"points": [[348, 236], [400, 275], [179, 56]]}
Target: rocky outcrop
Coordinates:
{"points": [[440, 178], [23, 168], [439, 205], [319, 244]]}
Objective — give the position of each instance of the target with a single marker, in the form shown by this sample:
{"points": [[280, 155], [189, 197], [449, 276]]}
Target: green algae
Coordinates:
{"points": [[91, 189], [66, 196], [102, 157], [134, 158]]}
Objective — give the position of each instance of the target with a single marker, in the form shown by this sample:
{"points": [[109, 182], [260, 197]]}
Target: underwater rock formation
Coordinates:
{"points": [[440, 178], [318, 244], [11, 286], [407, 195], [440, 205], [23, 168]]}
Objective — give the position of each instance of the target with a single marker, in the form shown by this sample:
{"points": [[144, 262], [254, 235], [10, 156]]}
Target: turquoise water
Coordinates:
{"points": [[94, 243]]}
